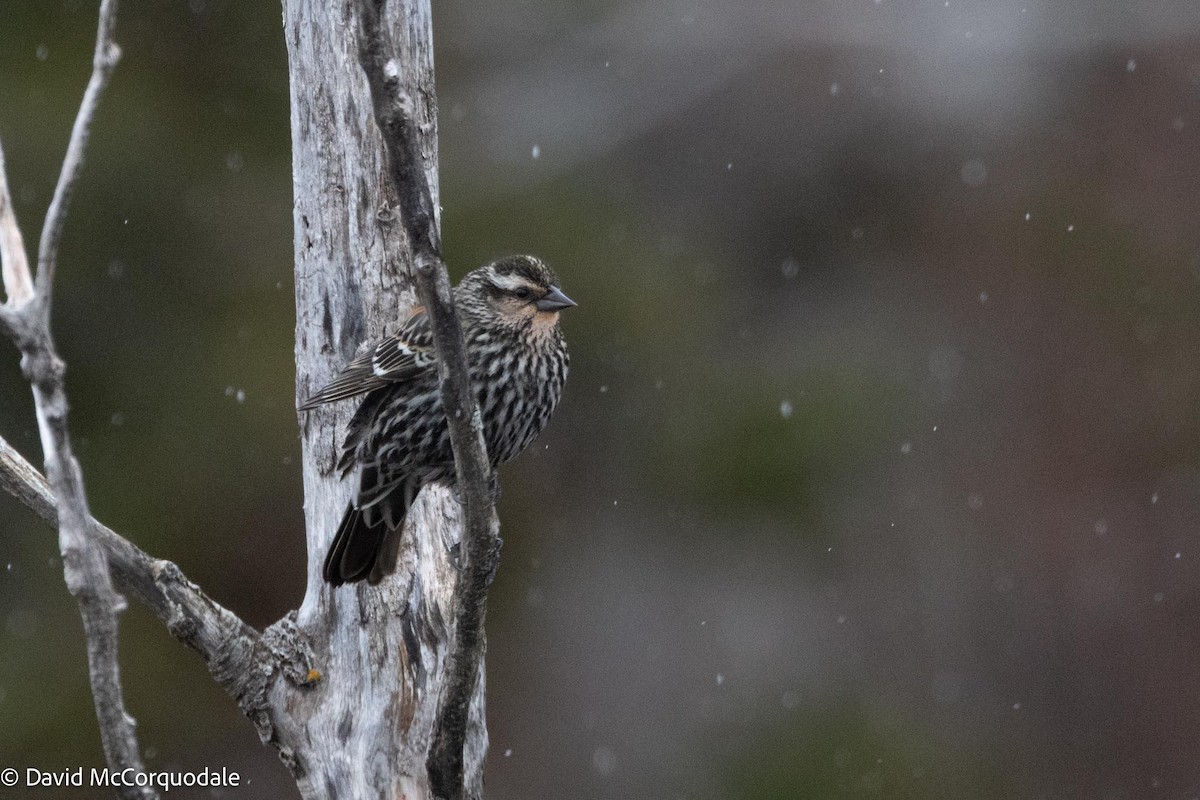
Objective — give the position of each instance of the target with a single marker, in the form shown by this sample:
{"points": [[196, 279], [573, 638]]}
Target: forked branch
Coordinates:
{"points": [[27, 321]]}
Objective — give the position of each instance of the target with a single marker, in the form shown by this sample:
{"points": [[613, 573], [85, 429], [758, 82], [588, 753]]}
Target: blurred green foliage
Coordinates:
{"points": [[763, 451], [846, 752]]}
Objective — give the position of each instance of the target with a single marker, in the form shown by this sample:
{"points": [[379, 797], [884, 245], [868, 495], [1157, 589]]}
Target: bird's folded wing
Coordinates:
{"points": [[397, 358]]}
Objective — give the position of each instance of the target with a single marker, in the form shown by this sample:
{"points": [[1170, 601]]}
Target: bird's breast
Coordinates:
{"points": [[516, 400]]}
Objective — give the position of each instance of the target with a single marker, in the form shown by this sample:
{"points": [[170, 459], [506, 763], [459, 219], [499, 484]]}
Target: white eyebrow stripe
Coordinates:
{"points": [[511, 282]]}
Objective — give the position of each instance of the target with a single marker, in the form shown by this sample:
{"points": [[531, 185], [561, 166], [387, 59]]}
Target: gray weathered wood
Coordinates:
{"points": [[347, 688], [383, 651]]}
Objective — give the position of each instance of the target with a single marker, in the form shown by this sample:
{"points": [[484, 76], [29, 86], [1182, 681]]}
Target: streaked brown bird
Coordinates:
{"points": [[398, 439]]}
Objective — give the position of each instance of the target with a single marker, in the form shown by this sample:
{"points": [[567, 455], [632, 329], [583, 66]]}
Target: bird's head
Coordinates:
{"points": [[518, 291]]}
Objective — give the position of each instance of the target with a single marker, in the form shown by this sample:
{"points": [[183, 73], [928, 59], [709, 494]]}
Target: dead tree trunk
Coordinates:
{"points": [[348, 689], [384, 650]]}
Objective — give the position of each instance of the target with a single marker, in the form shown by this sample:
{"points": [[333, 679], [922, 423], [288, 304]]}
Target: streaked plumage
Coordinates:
{"points": [[398, 439]]}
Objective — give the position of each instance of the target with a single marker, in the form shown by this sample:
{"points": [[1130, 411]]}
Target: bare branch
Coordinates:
{"points": [[393, 115], [188, 613], [236, 655], [480, 548], [85, 565], [20, 479], [104, 60], [14, 264]]}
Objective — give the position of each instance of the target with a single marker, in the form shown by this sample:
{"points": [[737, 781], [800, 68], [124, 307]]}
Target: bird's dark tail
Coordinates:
{"points": [[367, 542], [354, 550]]}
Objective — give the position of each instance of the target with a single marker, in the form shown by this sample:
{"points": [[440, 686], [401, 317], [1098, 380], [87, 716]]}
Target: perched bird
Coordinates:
{"points": [[398, 439]]}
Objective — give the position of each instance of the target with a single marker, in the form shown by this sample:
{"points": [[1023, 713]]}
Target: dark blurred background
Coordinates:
{"points": [[876, 474]]}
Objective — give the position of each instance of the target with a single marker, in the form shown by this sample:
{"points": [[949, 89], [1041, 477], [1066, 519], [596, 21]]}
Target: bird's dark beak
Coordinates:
{"points": [[555, 300]]}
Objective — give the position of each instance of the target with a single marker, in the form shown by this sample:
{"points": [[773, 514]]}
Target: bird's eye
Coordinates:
{"points": [[522, 293]]}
